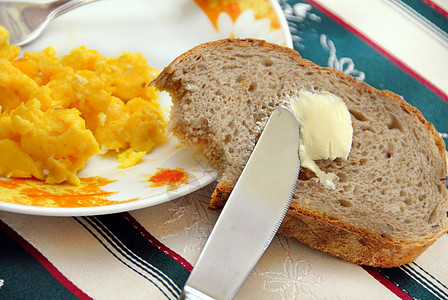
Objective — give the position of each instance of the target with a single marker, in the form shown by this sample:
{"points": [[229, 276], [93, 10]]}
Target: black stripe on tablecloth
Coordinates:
{"points": [[121, 239]]}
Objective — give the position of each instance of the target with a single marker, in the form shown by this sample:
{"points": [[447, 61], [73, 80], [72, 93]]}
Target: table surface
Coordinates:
{"points": [[399, 45]]}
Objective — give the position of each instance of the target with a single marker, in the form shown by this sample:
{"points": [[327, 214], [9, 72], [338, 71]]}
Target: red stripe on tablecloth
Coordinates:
{"points": [[436, 7], [43, 261], [155, 242], [387, 283], [383, 51]]}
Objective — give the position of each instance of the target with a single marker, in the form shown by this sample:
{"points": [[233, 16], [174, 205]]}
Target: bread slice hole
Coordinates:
{"points": [[230, 67], [347, 188], [228, 138], [402, 208], [267, 62], [240, 78], [244, 55], [394, 123], [387, 229], [358, 115], [366, 127], [345, 203], [342, 177], [252, 86], [433, 216], [389, 150], [306, 174]]}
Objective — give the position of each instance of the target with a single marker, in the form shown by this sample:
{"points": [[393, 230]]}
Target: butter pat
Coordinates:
{"points": [[326, 131]]}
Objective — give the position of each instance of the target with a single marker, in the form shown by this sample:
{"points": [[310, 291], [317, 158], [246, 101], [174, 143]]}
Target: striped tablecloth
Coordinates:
{"points": [[400, 45]]}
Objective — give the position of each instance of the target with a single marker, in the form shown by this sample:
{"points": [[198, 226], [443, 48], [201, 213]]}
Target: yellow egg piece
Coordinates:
{"points": [[129, 158], [56, 140], [14, 162]]}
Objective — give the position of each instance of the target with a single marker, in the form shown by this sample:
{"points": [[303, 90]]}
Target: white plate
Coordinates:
{"points": [[160, 30]]}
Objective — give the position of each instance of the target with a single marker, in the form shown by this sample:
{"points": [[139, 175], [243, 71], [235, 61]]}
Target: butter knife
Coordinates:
{"points": [[252, 214]]}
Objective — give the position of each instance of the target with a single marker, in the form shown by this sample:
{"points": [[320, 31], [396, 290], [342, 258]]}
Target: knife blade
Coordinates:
{"points": [[252, 214]]}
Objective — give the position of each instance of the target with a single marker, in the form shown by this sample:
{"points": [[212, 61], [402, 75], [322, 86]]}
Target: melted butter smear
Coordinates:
{"points": [[37, 193], [173, 178]]}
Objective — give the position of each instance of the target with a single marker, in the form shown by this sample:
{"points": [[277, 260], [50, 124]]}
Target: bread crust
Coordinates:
{"points": [[220, 195], [349, 243], [316, 230]]}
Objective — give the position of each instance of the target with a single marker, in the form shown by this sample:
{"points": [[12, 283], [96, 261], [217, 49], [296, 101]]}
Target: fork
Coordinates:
{"points": [[25, 21]]}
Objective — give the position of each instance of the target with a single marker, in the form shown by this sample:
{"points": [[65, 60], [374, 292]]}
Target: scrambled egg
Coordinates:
{"points": [[56, 112]]}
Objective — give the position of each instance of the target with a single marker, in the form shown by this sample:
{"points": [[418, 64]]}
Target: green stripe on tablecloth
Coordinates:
{"points": [[380, 72], [23, 277]]}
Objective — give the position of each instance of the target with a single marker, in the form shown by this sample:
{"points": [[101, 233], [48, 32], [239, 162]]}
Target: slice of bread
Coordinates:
{"points": [[390, 202]]}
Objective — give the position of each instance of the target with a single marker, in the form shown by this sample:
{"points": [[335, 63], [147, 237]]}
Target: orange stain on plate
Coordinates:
{"points": [[172, 178], [38, 193]]}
